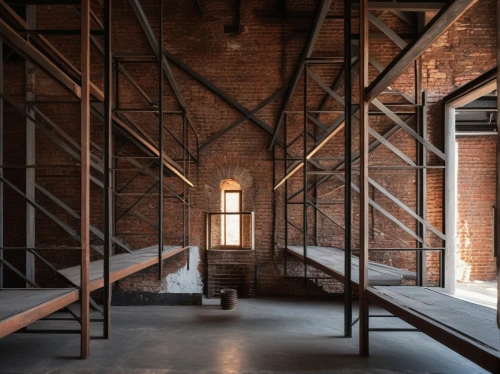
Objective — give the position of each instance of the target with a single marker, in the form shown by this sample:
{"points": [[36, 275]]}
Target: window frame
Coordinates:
{"points": [[224, 245]]}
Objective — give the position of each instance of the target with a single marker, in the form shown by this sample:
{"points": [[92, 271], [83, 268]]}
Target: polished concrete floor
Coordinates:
{"points": [[262, 336], [484, 293]]}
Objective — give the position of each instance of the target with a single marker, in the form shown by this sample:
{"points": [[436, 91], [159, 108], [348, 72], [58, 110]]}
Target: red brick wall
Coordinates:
{"points": [[476, 197], [250, 67]]}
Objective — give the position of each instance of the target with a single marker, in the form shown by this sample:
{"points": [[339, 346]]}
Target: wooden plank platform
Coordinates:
{"points": [[331, 261], [467, 328], [121, 265], [21, 307]]}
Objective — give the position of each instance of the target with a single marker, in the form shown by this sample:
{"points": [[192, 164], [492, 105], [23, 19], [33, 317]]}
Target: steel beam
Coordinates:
{"points": [[323, 9], [239, 121], [389, 145], [347, 157], [475, 89], [146, 27], [108, 164], [331, 133], [160, 142], [497, 196], [85, 179], [439, 24], [28, 51], [387, 31], [34, 55], [363, 180], [219, 92], [30, 153], [1, 163], [406, 208], [408, 129], [325, 87]]}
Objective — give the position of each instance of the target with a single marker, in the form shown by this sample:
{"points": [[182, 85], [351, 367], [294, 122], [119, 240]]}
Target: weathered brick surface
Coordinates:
{"points": [[476, 188], [249, 67]]}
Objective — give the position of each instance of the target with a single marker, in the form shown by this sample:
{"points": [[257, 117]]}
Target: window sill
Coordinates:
{"points": [[228, 249]]}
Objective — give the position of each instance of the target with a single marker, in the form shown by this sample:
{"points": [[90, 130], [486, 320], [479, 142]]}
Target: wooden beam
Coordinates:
{"points": [[471, 349], [439, 24], [152, 149], [85, 179], [25, 318], [363, 181], [29, 52]]}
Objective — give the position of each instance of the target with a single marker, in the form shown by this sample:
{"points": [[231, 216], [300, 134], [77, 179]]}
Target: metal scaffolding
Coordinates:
{"points": [[407, 113], [23, 38], [311, 164]]}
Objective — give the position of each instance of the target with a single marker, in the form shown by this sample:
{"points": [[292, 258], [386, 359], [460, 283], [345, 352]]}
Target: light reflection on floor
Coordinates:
{"points": [[484, 293]]}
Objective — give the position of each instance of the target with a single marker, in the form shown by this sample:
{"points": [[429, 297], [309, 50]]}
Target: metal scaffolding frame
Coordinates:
{"points": [[373, 102], [28, 41], [118, 121]]}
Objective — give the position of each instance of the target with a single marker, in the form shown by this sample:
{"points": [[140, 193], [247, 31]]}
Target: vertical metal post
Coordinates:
{"points": [[447, 259], [117, 84], [421, 161], [30, 154], [185, 189], [108, 160], [188, 229], [497, 199], [304, 160], [274, 241], [347, 174], [208, 245], [363, 183], [315, 211], [1, 163], [421, 190], [160, 143], [285, 119], [85, 179]]}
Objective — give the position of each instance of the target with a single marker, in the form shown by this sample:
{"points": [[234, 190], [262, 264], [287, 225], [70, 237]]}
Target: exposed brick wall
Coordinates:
{"points": [[476, 197], [249, 67]]}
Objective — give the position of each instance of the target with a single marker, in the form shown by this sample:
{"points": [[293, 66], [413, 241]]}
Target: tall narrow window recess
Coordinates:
{"points": [[231, 228]]}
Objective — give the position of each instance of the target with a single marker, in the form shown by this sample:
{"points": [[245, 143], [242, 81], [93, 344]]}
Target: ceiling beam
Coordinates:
{"points": [[478, 87], [439, 24]]}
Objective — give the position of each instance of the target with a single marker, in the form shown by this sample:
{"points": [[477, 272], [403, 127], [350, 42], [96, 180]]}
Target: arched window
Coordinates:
{"points": [[231, 203]]}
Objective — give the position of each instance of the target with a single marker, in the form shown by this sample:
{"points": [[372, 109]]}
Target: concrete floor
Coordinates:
{"points": [[484, 293], [271, 335]]}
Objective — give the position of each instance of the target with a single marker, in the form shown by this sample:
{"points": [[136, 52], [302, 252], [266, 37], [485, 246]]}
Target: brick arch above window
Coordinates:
{"points": [[230, 172]]}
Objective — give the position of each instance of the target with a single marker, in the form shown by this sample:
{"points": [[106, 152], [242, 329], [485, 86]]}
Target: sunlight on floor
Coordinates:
{"points": [[484, 293]]}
